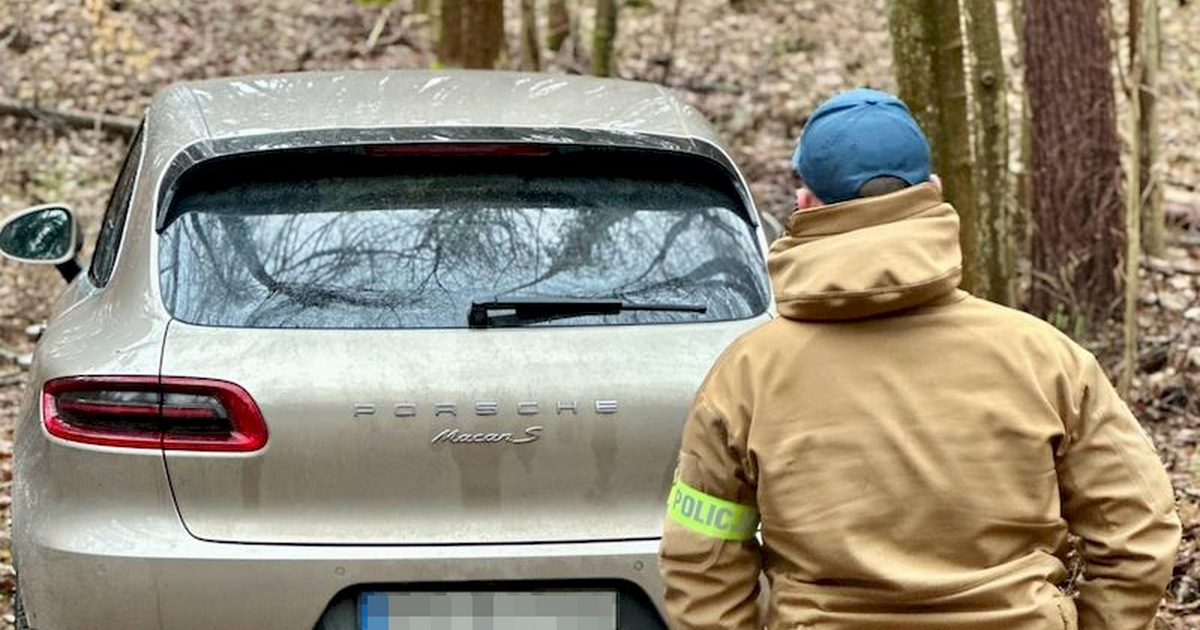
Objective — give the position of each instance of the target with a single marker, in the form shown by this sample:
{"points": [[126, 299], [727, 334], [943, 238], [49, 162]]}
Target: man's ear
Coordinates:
{"points": [[805, 199], [936, 181]]}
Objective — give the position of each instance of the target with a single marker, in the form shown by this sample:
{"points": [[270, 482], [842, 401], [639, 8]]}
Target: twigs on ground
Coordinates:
{"points": [[377, 30], [74, 119]]}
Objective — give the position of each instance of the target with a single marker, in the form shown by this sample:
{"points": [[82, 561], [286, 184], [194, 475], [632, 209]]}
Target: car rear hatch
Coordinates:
{"points": [[335, 287]]}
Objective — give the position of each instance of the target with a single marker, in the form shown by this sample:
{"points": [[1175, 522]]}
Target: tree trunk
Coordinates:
{"points": [[485, 34], [472, 33], [996, 257], [1133, 217], [1076, 164], [558, 25], [927, 53], [531, 54], [1153, 222], [1133, 201], [668, 55], [603, 36], [450, 33], [1021, 221]]}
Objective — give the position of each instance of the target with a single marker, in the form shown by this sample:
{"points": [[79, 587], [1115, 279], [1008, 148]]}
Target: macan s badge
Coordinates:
{"points": [[485, 408]]}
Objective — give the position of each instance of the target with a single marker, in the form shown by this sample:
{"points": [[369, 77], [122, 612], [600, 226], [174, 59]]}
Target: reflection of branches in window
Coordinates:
{"points": [[236, 231], [471, 242], [664, 248], [192, 225], [284, 243], [580, 245], [304, 293], [169, 274], [315, 259], [287, 244], [508, 223], [733, 273], [726, 268], [735, 230], [420, 267], [431, 239], [290, 231]]}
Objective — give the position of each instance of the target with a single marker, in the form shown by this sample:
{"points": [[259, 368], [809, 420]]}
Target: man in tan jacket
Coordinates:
{"points": [[916, 455]]}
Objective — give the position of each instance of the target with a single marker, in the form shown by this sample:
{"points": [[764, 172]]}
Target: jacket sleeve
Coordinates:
{"points": [[1118, 499], [709, 558]]}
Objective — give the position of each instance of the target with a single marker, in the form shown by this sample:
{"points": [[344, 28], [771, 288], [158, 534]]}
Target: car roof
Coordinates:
{"points": [[194, 121], [307, 101]]}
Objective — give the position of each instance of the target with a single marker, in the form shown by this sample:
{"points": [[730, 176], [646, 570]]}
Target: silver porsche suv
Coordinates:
{"points": [[378, 350]]}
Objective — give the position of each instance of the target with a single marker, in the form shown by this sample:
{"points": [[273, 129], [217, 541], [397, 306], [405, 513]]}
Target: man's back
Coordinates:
{"points": [[915, 466], [916, 455]]}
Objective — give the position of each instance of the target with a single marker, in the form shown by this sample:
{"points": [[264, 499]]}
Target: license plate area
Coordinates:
{"points": [[488, 610]]}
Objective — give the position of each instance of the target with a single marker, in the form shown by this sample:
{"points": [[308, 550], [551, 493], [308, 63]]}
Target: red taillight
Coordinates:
{"points": [[172, 413]]}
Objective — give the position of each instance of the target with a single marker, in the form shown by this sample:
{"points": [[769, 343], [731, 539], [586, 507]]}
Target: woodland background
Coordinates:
{"points": [[754, 67]]}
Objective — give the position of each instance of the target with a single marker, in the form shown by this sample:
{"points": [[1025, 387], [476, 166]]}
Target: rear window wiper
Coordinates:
{"points": [[509, 312]]}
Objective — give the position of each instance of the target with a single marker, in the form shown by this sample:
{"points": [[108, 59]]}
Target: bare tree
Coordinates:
{"points": [[996, 244], [603, 36], [1023, 200], [1076, 163], [927, 51], [558, 25], [1150, 52], [1133, 207], [667, 56], [485, 35], [450, 32], [531, 54], [472, 33]]}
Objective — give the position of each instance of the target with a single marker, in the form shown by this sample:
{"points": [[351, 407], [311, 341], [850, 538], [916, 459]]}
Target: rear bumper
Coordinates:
{"points": [[180, 583], [99, 545]]}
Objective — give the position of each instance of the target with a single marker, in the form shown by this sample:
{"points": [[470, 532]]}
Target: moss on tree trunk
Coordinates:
{"points": [[603, 37], [1153, 223], [927, 50], [558, 24], [996, 245]]}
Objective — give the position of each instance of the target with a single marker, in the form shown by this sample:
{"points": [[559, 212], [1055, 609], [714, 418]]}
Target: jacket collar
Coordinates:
{"points": [[867, 257]]}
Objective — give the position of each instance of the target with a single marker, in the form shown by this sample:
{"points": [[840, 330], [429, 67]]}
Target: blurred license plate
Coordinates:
{"points": [[488, 611]]}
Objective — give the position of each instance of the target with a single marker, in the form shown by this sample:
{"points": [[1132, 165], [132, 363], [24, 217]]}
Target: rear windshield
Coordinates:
{"points": [[395, 237]]}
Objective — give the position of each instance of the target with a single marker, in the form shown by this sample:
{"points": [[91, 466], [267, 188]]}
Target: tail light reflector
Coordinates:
{"points": [[147, 412]]}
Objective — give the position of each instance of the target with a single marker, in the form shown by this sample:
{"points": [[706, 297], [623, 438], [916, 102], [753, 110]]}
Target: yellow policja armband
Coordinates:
{"points": [[710, 516]]}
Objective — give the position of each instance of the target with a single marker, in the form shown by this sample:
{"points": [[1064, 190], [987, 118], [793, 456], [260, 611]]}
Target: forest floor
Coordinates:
{"points": [[754, 67]]}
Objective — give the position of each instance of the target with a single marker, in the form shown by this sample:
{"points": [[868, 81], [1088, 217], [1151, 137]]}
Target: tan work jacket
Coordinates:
{"points": [[917, 456]]}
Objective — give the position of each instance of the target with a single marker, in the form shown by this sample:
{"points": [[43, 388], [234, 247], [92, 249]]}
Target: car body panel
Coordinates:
{"points": [[164, 579], [105, 496], [264, 104], [78, 539], [334, 474]]}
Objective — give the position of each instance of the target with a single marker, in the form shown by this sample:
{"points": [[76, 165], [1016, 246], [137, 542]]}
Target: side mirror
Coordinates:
{"points": [[44, 235]]}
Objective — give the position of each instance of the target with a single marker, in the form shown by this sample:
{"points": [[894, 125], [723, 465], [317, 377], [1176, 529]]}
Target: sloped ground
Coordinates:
{"points": [[755, 67]]}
